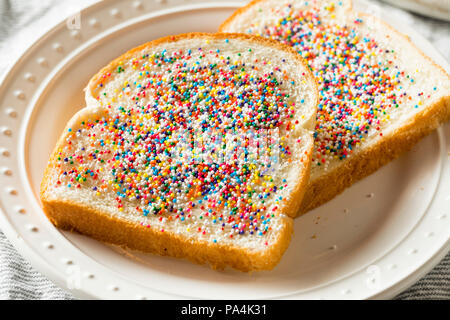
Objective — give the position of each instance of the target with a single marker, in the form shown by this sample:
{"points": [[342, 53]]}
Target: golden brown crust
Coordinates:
{"points": [[104, 227], [334, 182], [100, 226], [236, 13]]}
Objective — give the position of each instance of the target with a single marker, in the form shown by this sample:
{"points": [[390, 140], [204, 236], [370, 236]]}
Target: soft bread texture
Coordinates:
{"points": [[111, 97], [425, 106]]}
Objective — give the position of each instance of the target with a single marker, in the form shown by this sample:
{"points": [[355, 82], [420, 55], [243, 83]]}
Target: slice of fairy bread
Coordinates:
{"points": [[195, 146], [378, 93]]}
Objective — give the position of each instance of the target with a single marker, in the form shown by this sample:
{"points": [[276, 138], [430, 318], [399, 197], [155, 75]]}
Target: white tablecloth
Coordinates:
{"points": [[23, 21]]}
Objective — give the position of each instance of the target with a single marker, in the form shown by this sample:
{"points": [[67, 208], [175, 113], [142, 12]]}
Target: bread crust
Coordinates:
{"points": [[392, 146], [74, 216], [324, 188], [236, 13]]}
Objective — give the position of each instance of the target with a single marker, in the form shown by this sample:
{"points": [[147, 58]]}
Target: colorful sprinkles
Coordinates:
{"points": [[357, 79], [158, 146]]}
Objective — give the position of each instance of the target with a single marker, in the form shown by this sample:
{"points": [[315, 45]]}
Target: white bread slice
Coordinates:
{"points": [[390, 94], [119, 172]]}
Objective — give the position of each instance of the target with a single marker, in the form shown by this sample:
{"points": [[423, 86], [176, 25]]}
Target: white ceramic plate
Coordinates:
{"points": [[373, 241]]}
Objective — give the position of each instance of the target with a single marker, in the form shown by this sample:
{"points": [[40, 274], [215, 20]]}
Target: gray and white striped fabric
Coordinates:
{"points": [[23, 21]]}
